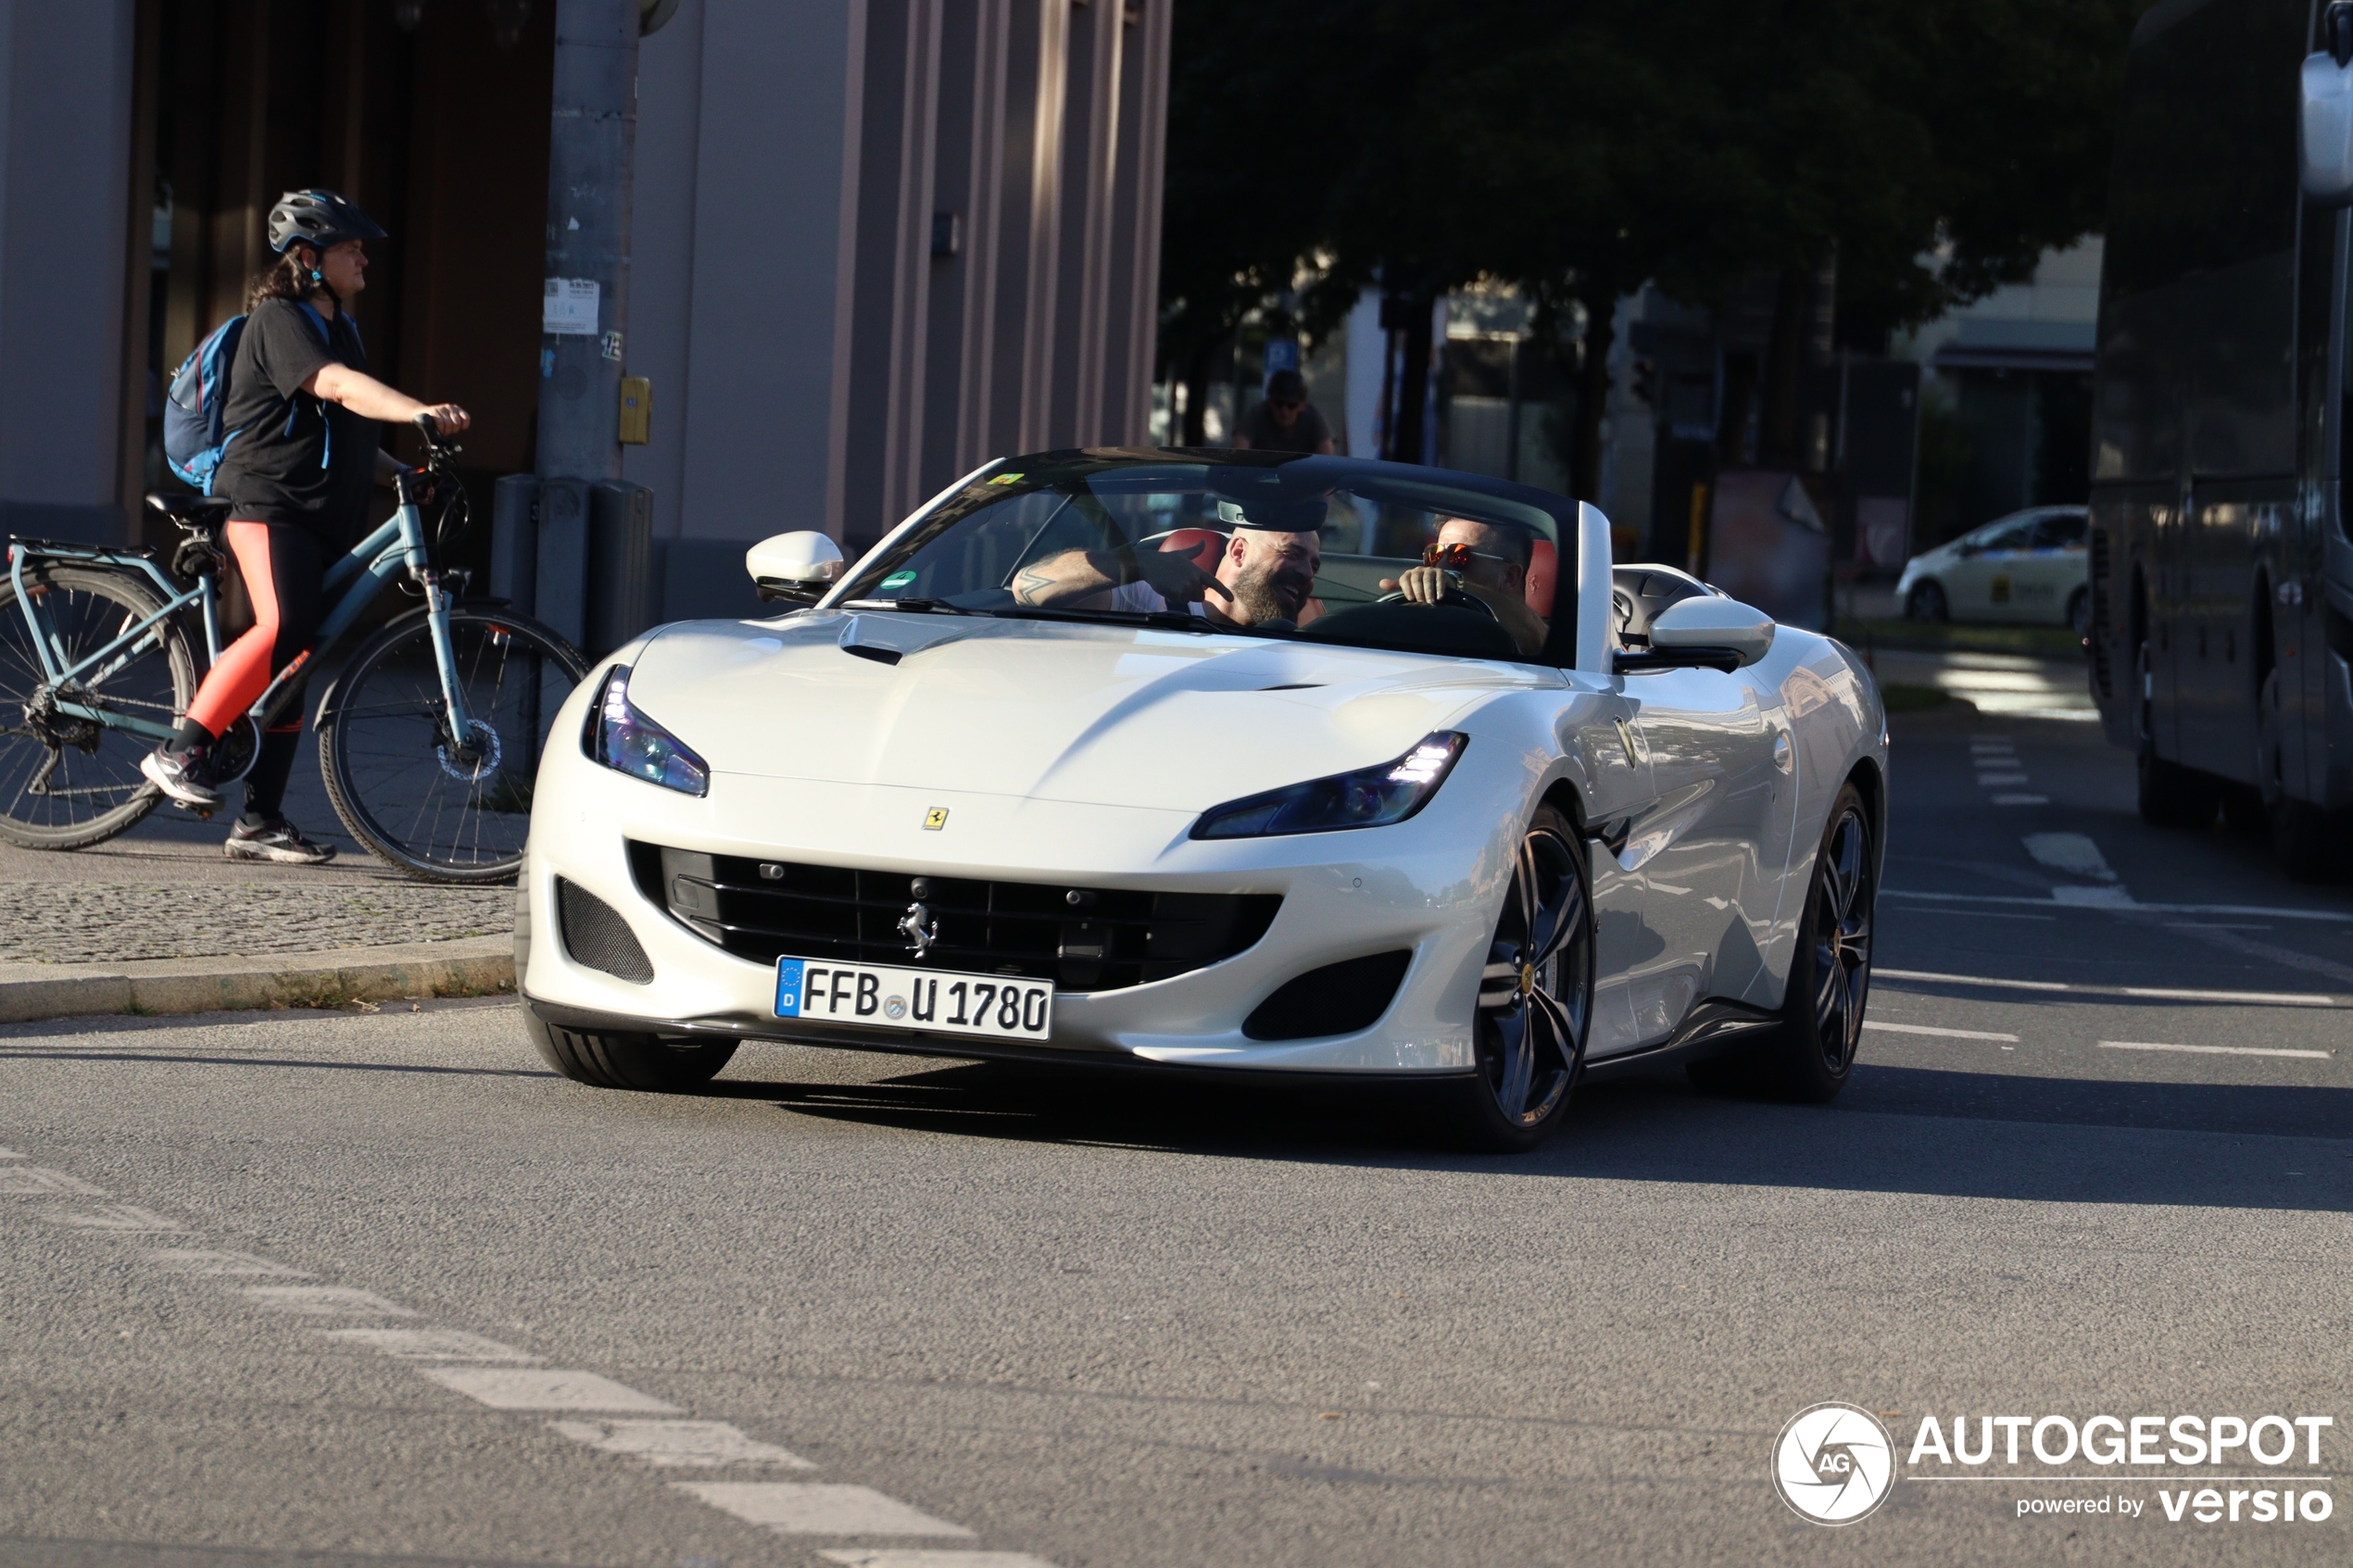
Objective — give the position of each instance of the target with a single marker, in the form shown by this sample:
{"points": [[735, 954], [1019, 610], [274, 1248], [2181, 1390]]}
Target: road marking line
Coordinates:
{"points": [[196, 1260], [2138, 908], [1972, 980], [517, 1389], [816, 1508], [2209, 1050], [702, 1443], [2281, 999], [9, 1154], [2021, 800], [1994, 780], [854, 1558], [1940, 1034], [2150, 993], [323, 1301], [2071, 852], [112, 1217], [1996, 914], [430, 1344], [39, 1181]]}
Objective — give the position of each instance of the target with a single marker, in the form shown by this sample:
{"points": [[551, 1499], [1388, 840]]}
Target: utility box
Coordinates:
{"points": [[620, 589], [514, 540]]}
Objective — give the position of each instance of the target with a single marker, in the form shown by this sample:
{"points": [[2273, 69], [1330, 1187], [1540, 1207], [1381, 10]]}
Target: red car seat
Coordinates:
{"points": [[1206, 544], [1544, 568]]}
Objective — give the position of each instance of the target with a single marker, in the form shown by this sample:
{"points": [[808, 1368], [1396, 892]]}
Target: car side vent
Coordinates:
{"points": [[596, 935], [1338, 998]]}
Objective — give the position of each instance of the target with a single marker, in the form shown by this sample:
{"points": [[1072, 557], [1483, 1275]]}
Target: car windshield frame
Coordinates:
{"points": [[1083, 476]]}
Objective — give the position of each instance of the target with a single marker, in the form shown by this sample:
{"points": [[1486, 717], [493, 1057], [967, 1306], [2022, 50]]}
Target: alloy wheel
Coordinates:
{"points": [[1841, 939], [1536, 993]]}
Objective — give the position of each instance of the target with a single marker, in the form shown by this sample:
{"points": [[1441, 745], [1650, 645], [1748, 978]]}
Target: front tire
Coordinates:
{"points": [[439, 809], [1927, 603], [1535, 997], [624, 1061], [1829, 977]]}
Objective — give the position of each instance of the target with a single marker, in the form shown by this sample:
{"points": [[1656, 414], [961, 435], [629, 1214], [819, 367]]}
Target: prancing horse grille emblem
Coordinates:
{"points": [[921, 929]]}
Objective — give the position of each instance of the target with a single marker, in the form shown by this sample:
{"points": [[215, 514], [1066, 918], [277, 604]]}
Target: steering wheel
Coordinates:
{"points": [[1453, 598]]}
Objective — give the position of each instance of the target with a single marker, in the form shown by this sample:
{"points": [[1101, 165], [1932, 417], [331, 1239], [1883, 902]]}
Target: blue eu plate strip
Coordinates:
{"points": [[788, 972]]}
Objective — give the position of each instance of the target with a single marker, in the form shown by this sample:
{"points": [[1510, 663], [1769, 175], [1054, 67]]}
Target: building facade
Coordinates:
{"points": [[875, 242]]}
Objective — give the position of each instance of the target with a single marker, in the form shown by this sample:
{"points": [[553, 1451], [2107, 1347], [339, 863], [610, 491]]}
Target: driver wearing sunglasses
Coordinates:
{"points": [[1482, 561]]}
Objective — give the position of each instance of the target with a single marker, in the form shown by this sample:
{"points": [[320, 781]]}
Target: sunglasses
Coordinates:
{"points": [[1287, 403], [1455, 557]]}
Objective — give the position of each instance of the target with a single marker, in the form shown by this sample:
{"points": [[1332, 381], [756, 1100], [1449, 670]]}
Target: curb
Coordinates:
{"points": [[472, 967]]}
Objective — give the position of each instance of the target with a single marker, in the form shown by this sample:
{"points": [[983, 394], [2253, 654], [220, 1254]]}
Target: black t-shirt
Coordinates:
{"points": [[1307, 431], [297, 458]]}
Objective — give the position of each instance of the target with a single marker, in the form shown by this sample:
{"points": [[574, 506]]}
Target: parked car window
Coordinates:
{"points": [[2061, 531]]}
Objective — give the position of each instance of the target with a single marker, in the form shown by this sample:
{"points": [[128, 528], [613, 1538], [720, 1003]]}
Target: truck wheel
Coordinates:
{"points": [[2173, 796], [2306, 841]]}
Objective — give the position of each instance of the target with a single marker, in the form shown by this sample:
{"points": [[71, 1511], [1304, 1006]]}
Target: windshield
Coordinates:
{"points": [[1331, 549]]}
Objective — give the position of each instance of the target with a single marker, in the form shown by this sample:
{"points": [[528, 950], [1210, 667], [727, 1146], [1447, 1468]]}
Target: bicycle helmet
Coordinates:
{"points": [[321, 218]]}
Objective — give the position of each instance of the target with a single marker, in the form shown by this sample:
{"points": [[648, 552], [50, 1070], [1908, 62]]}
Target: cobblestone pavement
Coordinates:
{"points": [[99, 921]]}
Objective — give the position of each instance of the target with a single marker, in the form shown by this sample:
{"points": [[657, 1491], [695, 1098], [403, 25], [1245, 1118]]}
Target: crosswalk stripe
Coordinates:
{"points": [[545, 1388], [815, 1508]]}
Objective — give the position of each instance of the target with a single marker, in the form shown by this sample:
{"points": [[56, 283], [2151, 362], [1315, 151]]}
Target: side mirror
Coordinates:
{"points": [[797, 567], [1713, 624], [2324, 141]]}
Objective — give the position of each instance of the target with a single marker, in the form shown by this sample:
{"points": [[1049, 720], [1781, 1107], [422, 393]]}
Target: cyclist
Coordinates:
{"points": [[297, 474]]}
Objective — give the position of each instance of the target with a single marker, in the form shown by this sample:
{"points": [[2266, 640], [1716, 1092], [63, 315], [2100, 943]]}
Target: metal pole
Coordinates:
{"points": [[592, 135], [592, 138]]}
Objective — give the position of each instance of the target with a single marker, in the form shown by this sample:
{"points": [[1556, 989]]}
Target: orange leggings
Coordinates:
{"points": [[284, 568]]}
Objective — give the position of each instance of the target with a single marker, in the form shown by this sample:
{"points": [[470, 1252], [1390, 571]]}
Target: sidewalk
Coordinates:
{"points": [[159, 921]]}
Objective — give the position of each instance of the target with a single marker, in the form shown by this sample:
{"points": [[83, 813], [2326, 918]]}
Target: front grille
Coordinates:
{"points": [[1080, 938], [595, 934]]}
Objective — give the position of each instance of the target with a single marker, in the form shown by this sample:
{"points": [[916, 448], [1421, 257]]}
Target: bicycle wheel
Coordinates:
{"points": [[68, 782], [439, 809]]}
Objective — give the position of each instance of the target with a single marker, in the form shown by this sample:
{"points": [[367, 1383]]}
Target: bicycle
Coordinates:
{"points": [[429, 737]]}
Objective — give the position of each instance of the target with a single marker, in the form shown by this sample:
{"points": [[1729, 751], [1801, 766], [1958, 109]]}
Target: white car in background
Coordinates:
{"points": [[2030, 566], [1377, 838]]}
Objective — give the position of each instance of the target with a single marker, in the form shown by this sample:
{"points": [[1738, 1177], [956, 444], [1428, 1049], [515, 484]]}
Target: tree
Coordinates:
{"points": [[1929, 151]]}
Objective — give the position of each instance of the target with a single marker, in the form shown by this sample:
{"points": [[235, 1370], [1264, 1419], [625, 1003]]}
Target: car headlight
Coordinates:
{"points": [[626, 741], [1370, 797]]}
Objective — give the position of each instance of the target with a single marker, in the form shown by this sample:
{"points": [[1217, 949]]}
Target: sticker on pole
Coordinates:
{"points": [[570, 308]]}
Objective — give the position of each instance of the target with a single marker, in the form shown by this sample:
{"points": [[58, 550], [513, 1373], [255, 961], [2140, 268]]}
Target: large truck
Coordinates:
{"points": [[2221, 566]]}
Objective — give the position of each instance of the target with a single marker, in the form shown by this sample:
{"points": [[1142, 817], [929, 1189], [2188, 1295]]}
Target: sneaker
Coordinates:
{"points": [[278, 840], [185, 776]]}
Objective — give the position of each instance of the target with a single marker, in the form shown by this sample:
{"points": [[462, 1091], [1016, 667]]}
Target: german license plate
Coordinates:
{"points": [[1001, 1007]]}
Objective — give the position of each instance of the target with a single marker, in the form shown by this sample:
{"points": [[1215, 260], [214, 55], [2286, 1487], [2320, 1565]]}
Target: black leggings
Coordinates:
{"points": [[284, 569]]}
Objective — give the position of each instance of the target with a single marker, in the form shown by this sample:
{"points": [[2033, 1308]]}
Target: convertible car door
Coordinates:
{"points": [[1694, 878]]}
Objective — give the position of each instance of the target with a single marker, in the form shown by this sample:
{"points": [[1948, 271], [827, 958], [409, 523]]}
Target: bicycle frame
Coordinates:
{"points": [[400, 545]]}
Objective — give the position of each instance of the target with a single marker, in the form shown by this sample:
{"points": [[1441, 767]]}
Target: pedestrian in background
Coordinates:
{"points": [[1286, 421]]}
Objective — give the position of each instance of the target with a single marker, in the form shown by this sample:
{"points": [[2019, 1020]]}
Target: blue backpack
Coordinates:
{"points": [[194, 412]]}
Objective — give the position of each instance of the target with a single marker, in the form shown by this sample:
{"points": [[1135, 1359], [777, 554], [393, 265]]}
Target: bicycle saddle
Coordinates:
{"points": [[190, 512]]}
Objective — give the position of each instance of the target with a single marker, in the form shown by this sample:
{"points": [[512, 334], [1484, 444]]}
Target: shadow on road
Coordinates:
{"points": [[1897, 1130]]}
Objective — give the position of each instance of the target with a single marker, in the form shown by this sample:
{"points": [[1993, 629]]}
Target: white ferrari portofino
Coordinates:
{"points": [[1218, 760]]}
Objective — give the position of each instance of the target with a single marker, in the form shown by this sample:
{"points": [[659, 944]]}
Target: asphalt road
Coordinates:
{"points": [[1105, 1321]]}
